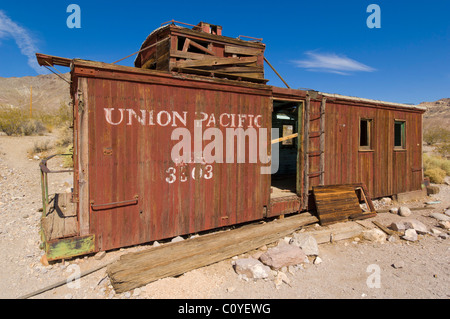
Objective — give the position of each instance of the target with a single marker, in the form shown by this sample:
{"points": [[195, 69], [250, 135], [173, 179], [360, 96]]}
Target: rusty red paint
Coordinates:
{"points": [[128, 162], [129, 200]]}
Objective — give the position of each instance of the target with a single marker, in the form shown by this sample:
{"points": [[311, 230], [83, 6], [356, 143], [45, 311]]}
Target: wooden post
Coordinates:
{"points": [[305, 152], [322, 142]]}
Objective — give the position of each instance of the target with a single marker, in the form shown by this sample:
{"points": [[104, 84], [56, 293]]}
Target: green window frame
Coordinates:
{"points": [[400, 134]]}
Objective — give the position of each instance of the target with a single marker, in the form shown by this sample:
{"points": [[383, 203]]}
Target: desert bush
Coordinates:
{"points": [[443, 149], [11, 121], [40, 147], [32, 127], [436, 168], [65, 137], [436, 135], [436, 175]]}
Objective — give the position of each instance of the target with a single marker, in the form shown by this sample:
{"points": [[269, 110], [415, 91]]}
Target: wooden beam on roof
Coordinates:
{"points": [[45, 60], [242, 50], [212, 61]]}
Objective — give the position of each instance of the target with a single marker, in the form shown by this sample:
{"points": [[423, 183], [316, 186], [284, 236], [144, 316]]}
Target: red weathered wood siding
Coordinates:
{"points": [[384, 170], [134, 160]]}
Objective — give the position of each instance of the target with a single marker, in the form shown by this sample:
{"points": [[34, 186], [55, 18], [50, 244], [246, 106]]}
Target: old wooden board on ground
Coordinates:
{"points": [[336, 203], [137, 269]]}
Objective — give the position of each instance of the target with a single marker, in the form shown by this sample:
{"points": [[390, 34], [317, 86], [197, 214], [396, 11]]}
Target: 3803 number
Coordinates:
{"points": [[183, 173]]}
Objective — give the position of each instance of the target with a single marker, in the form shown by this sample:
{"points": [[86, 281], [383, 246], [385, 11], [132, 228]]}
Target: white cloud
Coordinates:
{"points": [[331, 63], [8, 28]]}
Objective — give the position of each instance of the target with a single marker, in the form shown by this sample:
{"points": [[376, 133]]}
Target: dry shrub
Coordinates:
{"points": [[436, 135], [436, 168], [436, 175], [14, 121]]}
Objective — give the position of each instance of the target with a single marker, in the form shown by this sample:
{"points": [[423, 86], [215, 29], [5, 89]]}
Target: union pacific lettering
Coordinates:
{"points": [[117, 116]]}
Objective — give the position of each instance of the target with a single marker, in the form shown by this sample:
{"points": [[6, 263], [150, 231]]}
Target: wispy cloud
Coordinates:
{"points": [[331, 63], [9, 28]]}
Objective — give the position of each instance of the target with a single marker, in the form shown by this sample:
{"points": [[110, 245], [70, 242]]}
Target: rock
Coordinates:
{"points": [[283, 255], [386, 201], [410, 235], [447, 211], [391, 239], [398, 226], [393, 210], [257, 254], [375, 235], [306, 242], [317, 260], [177, 239], [251, 268], [419, 227], [44, 260], [280, 278], [100, 255], [444, 224], [435, 231], [127, 294], [156, 244], [432, 190], [398, 264], [404, 211], [136, 292], [231, 289], [443, 235], [439, 216]]}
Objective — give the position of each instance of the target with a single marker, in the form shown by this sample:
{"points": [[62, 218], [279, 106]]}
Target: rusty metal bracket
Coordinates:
{"points": [[44, 179], [121, 203]]}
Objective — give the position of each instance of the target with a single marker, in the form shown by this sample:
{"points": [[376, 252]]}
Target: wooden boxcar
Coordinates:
{"points": [[130, 188]]}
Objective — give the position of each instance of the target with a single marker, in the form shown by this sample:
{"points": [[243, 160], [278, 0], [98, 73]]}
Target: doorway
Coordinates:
{"points": [[286, 117]]}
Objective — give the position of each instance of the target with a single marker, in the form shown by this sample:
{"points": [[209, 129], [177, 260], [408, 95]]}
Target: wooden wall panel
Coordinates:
{"points": [[382, 169]]}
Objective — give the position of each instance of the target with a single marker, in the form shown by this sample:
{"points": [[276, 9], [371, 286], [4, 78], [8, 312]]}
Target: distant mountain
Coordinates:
{"points": [[49, 91], [437, 114]]}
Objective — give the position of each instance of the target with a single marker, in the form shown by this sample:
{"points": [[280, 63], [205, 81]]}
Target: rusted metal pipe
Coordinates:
{"points": [[276, 73]]}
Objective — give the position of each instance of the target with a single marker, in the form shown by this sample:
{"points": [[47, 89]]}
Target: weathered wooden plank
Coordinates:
{"points": [[201, 47], [220, 74], [188, 55], [335, 232], [137, 269], [237, 69], [335, 203], [288, 137], [340, 202], [212, 61], [69, 247], [242, 50], [60, 219]]}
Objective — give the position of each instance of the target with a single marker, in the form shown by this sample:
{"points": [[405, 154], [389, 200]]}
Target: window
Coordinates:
{"points": [[288, 130], [365, 134], [399, 135]]}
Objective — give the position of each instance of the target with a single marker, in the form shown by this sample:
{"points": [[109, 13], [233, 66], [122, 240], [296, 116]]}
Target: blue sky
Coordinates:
{"points": [[320, 45]]}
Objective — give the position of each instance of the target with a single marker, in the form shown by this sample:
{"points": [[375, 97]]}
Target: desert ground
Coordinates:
{"points": [[407, 269]]}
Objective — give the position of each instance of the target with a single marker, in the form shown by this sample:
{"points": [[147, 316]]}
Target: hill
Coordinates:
{"points": [[437, 114], [49, 92]]}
